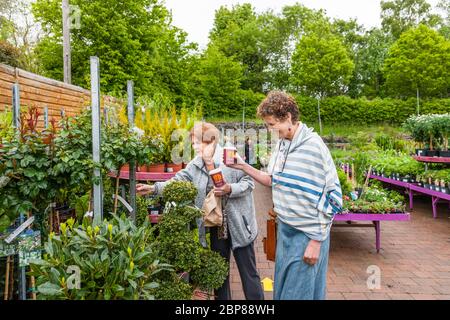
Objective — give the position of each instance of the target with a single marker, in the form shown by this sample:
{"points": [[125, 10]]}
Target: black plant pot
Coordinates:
{"points": [[445, 190], [420, 152], [154, 209], [432, 153], [426, 186], [445, 154]]}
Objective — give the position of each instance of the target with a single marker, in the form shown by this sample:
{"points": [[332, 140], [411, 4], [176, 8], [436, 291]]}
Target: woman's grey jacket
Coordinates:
{"points": [[239, 205]]}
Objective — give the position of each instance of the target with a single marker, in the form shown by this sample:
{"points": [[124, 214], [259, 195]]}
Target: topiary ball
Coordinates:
{"points": [[180, 192]]}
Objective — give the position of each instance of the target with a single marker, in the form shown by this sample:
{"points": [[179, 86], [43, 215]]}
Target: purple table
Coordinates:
{"points": [[412, 188], [374, 218], [435, 196]]}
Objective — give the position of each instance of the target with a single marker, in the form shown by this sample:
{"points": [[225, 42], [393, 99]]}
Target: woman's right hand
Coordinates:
{"points": [[144, 189], [240, 163]]}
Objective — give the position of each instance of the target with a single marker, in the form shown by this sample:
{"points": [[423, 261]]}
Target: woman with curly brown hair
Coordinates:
{"points": [[306, 195]]}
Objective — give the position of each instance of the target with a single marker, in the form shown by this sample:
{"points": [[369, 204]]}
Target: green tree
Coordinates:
{"points": [[369, 62], [353, 37], [444, 7], [19, 31], [321, 65], [282, 31], [217, 83], [238, 33], [418, 63], [134, 40], [400, 15]]}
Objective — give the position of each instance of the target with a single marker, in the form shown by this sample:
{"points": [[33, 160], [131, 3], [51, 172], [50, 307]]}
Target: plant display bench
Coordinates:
{"points": [[414, 189], [145, 176], [374, 218], [436, 196], [427, 160], [432, 159]]}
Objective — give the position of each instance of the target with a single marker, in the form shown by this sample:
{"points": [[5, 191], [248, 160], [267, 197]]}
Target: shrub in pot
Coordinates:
{"points": [[443, 122], [157, 157], [177, 240], [116, 259]]}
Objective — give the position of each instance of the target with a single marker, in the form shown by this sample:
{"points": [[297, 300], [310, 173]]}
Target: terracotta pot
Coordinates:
{"points": [[125, 167], [143, 168], [156, 167], [172, 167], [154, 218]]}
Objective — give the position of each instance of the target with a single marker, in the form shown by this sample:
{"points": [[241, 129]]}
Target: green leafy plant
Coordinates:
{"points": [[346, 186], [178, 244], [6, 129], [375, 199], [181, 192], [212, 272], [116, 259], [27, 182]]}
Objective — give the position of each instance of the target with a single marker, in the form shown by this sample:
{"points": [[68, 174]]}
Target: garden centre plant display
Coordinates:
{"points": [[46, 167], [438, 180], [116, 259], [160, 124], [176, 244], [375, 200], [430, 131], [122, 260], [396, 165], [27, 181]]}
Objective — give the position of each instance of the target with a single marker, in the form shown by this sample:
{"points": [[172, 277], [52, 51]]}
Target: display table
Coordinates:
{"points": [[374, 218], [414, 189]]}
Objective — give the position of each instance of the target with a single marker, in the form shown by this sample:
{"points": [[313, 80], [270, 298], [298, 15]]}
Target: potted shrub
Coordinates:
{"points": [[415, 127], [178, 239], [157, 156], [430, 128], [117, 261], [444, 128]]}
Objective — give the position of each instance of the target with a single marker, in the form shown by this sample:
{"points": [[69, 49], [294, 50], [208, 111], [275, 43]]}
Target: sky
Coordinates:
{"points": [[196, 17]]}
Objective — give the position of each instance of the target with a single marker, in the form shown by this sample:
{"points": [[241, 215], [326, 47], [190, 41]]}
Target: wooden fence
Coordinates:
{"points": [[40, 91]]}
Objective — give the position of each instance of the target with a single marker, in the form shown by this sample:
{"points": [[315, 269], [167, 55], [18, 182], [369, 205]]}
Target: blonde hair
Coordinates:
{"points": [[205, 132]]}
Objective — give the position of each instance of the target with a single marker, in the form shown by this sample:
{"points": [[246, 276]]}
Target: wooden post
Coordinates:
{"points": [[6, 292]]}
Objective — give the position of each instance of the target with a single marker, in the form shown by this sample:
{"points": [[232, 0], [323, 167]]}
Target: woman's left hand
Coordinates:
{"points": [[221, 191], [312, 252]]}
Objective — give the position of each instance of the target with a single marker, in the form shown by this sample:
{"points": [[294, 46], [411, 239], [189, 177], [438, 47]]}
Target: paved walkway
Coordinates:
{"points": [[414, 260]]}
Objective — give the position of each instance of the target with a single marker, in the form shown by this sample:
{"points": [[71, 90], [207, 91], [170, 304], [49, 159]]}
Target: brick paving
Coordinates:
{"points": [[414, 259]]}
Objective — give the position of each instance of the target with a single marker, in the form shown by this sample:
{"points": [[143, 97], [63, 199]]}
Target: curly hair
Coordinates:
{"points": [[279, 105]]}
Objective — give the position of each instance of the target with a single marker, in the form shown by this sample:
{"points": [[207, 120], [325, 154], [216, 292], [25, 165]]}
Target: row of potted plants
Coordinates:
{"points": [[437, 180], [119, 259], [161, 126], [375, 200], [431, 132], [55, 165], [396, 165]]}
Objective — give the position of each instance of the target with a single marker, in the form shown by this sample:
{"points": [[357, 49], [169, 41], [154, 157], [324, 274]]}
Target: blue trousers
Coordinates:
{"points": [[295, 279]]}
